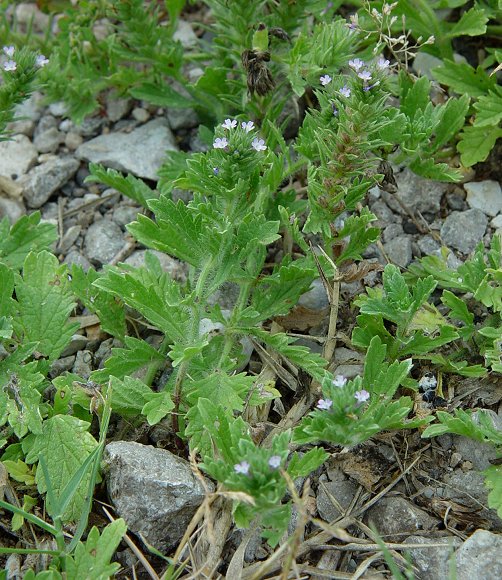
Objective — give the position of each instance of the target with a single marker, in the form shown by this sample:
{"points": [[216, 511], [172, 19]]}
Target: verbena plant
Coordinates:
{"points": [[241, 208]]}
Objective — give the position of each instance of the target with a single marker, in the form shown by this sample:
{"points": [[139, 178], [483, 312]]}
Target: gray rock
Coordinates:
{"points": [[395, 516], [182, 118], [464, 230], [383, 212], [42, 181], [432, 563], [125, 214], [11, 208], [399, 250], [103, 240], [77, 342], [140, 152], [172, 266], [416, 193], [61, 365], [75, 257], [90, 126], [484, 195], [350, 371], [58, 109], [83, 364], [428, 245], [226, 296], [46, 122], [17, 156], [26, 115], [342, 490], [185, 34], [73, 140], [29, 14], [141, 115], [479, 557], [455, 201], [392, 231], [48, 141], [69, 238], [477, 452], [316, 298], [423, 64], [153, 490], [116, 108]]}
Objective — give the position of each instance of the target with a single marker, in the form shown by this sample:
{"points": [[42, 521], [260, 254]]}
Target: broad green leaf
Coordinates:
{"points": [[159, 406], [476, 143], [25, 236], [493, 481], [129, 396], [429, 169], [65, 443], [45, 304], [19, 471], [130, 186], [453, 114], [489, 109], [92, 559], [459, 311], [136, 355], [464, 79], [6, 291], [414, 95], [177, 231], [162, 96], [304, 465], [471, 23]]}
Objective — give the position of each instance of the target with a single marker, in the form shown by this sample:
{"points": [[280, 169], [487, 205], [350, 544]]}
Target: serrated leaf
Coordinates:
{"points": [[493, 481], [129, 396], [429, 169], [452, 116], [92, 559], [489, 109], [304, 465], [471, 23], [464, 79], [177, 231], [45, 304], [162, 96], [130, 186], [160, 405], [136, 355], [6, 291], [65, 443], [414, 95], [476, 143], [181, 352], [25, 236]]}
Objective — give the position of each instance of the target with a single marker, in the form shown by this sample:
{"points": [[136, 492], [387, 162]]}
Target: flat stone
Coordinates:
{"points": [[17, 156], [176, 269], [140, 152], [42, 181], [484, 195], [342, 490], [77, 342], [185, 34], [399, 250], [103, 240], [48, 141], [11, 208], [479, 557], [154, 491], [464, 230], [394, 516], [417, 193], [432, 562], [315, 298], [116, 108]]}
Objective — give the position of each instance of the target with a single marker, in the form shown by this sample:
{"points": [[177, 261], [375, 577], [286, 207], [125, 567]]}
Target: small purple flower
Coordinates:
{"points": [[369, 87], [9, 50], [242, 467], [258, 144], [362, 396], [41, 61], [334, 109], [339, 381], [356, 64], [275, 461], [354, 22], [249, 126], [229, 124], [9, 65], [324, 404], [345, 91], [220, 143], [365, 75], [325, 80], [382, 63], [216, 170]]}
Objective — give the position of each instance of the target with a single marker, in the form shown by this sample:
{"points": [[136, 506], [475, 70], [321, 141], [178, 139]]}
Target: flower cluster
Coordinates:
{"points": [[243, 467], [247, 126], [340, 382], [11, 65]]}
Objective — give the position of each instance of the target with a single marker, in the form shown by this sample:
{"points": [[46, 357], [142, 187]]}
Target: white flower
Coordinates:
{"points": [[242, 467], [41, 61], [345, 91], [382, 63], [325, 80], [362, 396], [220, 143], [258, 144], [324, 404], [249, 126], [339, 381], [9, 50], [229, 124], [365, 75], [356, 64], [275, 461], [9, 65]]}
